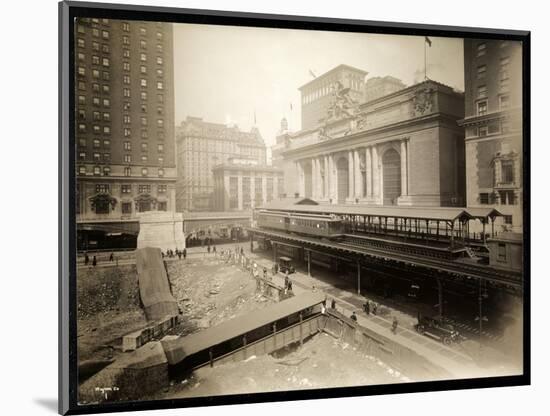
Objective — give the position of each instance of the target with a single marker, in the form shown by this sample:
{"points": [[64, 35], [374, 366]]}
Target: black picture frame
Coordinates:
{"points": [[68, 11]]}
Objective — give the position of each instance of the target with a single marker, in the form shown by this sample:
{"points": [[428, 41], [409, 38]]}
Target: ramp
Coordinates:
{"points": [[154, 287]]}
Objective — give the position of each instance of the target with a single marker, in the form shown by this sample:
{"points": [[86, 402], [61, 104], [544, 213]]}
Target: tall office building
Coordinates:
{"points": [[201, 145], [124, 120], [318, 94], [493, 126]]}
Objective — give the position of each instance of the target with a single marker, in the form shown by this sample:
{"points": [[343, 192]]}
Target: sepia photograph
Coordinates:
{"points": [[270, 209]]}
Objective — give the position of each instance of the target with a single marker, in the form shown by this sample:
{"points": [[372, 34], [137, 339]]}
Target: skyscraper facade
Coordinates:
{"points": [[124, 119]]}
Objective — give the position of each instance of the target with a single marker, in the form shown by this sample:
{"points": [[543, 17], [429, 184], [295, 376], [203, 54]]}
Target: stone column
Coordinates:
{"points": [[358, 176], [368, 168], [253, 180], [264, 189], [404, 173], [225, 196], [275, 186], [327, 174], [313, 178], [240, 191], [332, 183], [375, 174], [350, 174]]}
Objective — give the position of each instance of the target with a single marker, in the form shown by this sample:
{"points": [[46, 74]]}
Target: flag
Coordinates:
{"points": [[428, 41], [290, 106], [254, 117], [312, 74]]}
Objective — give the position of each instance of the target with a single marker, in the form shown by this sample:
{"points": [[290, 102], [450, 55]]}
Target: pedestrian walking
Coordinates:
{"points": [[208, 249], [366, 306], [94, 261], [287, 280], [179, 255], [333, 303], [353, 316], [86, 259], [290, 285], [184, 253], [112, 257], [394, 325], [265, 273], [374, 308], [214, 249]]}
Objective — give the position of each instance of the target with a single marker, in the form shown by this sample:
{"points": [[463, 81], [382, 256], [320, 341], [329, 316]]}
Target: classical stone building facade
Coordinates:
{"points": [[493, 126], [201, 146], [244, 184], [125, 158], [377, 87], [404, 148]]}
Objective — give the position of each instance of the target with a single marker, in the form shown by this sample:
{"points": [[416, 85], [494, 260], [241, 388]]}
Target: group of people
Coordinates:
{"points": [[95, 260], [175, 253], [370, 307]]}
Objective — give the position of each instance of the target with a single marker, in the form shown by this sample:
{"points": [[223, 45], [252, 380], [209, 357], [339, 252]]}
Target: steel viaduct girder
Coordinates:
{"points": [[509, 281]]}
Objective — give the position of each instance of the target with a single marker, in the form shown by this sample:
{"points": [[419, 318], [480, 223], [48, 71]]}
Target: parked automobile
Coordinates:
{"points": [[435, 328], [285, 264]]}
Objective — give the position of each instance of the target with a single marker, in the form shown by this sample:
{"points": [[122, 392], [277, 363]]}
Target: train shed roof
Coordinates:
{"points": [[422, 213], [177, 349], [484, 213]]}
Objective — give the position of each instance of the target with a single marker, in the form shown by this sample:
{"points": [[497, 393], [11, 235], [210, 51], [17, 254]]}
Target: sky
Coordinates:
{"points": [[231, 75]]}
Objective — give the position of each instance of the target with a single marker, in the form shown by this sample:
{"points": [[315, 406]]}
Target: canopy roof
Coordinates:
{"points": [[422, 213], [177, 349]]}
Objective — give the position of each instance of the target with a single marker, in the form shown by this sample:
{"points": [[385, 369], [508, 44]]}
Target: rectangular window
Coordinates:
{"points": [[127, 171], [106, 130], [160, 148], [127, 158], [81, 115], [95, 73], [481, 71], [162, 206], [507, 171], [125, 40], [126, 92], [106, 89], [143, 82], [126, 189], [143, 57], [82, 155], [81, 43], [102, 188], [125, 26], [81, 71], [481, 108], [126, 79], [481, 49], [105, 62], [106, 102], [159, 60], [96, 115], [162, 189], [126, 119], [483, 131], [127, 145], [142, 31], [126, 66], [161, 172], [126, 208], [144, 147], [482, 91], [105, 48], [501, 252], [160, 72], [143, 69], [106, 76], [106, 143], [82, 170], [127, 132], [143, 121], [504, 101], [484, 198], [143, 95], [95, 46], [97, 143], [160, 123], [81, 99], [126, 53], [107, 170], [144, 158], [144, 171], [95, 60], [105, 34], [143, 44], [82, 128], [144, 189], [160, 85], [97, 157]]}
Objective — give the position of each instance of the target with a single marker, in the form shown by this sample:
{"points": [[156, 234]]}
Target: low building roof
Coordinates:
{"points": [[177, 349]]}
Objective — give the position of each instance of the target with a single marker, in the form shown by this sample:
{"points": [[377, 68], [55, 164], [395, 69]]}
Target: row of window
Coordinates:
{"points": [[144, 134], [144, 147], [105, 88], [142, 30], [96, 60], [97, 170], [482, 47], [503, 103], [95, 73], [142, 69], [95, 128]]}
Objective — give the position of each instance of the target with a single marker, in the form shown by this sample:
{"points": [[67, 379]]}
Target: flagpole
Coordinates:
{"points": [[425, 66]]}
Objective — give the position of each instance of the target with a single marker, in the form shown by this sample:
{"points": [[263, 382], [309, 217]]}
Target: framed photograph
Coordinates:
{"points": [[263, 208]]}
